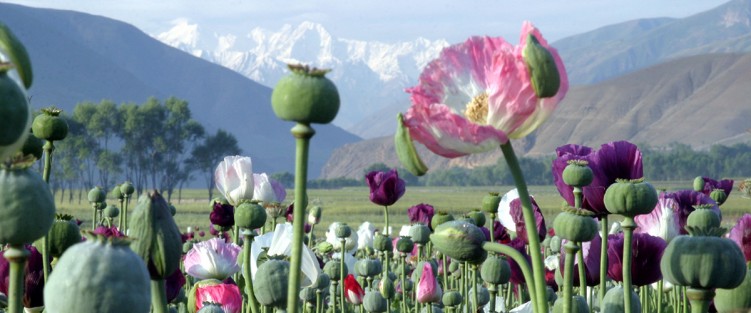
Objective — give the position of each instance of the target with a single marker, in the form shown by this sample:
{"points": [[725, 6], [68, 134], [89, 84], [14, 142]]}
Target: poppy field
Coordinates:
{"points": [[601, 239]]}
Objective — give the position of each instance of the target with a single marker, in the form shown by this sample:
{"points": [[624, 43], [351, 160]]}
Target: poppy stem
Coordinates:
{"points": [[603, 258], [700, 299], [520, 260], [539, 299], [628, 226], [158, 296], [16, 256], [48, 148], [582, 271], [568, 273], [247, 242], [302, 134]]}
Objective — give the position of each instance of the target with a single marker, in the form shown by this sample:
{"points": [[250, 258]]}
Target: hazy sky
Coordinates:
{"points": [[385, 20]]}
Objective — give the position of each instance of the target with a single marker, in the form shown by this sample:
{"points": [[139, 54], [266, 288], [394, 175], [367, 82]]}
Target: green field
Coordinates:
{"points": [[352, 205]]}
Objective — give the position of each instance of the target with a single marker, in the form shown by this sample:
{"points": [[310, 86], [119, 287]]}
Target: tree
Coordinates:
{"points": [[206, 155]]}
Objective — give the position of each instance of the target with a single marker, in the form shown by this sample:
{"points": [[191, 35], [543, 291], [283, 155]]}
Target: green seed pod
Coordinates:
{"points": [[97, 195], [102, 262], [386, 288], [382, 243], [62, 235], [27, 209], [15, 118], [577, 173], [420, 233], [111, 211], [404, 244], [250, 215], [374, 302], [452, 298], [270, 286], [495, 270], [157, 238], [117, 194], [323, 282], [483, 295], [127, 189], [719, 196], [33, 146], [49, 125], [460, 240], [543, 72], [343, 231], [490, 203], [578, 305], [555, 243], [576, 225], [211, 308], [737, 299], [703, 217], [172, 209], [703, 262], [308, 294], [614, 301], [408, 285], [440, 218], [630, 197], [699, 184], [368, 267], [477, 217], [305, 96], [333, 269], [325, 247]]}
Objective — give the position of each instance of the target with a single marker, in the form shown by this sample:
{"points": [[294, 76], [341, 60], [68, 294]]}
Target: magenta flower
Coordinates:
{"points": [[174, 283], [710, 185], [646, 253], [517, 277], [511, 216], [686, 200], [353, 293], [33, 288], [741, 234], [421, 213], [614, 160], [227, 295], [109, 231], [428, 289], [662, 221], [385, 187], [212, 258], [222, 215], [478, 94], [267, 190]]}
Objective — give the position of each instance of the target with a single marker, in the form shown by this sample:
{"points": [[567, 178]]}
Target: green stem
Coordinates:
{"points": [[659, 296], [492, 220], [445, 271], [578, 197], [603, 258], [699, 299], [16, 256], [302, 134], [540, 301], [310, 235], [124, 228], [475, 297], [568, 273], [582, 272], [386, 217], [493, 290], [341, 271], [158, 296], [49, 147], [120, 222], [93, 217], [404, 282], [520, 260], [247, 241], [628, 226]]}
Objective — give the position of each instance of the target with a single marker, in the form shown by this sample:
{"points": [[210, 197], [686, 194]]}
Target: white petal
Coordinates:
{"points": [[504, 210]]}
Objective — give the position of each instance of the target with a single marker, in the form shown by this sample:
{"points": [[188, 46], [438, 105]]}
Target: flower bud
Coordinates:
{"points": [[49, 125], [314, 217], [699, 184], [157, 238], [386, 287], [543, 71]]}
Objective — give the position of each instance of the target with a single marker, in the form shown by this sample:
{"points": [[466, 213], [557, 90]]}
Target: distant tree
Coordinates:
{"points": [[207, 154], [287, 179]]}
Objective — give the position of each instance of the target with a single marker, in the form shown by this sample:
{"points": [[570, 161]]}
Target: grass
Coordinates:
{"points": [[352, 206]]}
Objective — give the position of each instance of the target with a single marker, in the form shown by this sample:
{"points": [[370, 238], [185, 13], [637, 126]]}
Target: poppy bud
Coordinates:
{"points": [[314, 217], [542, 69], [699, 184], [49, 125], [157, 238], [386, 287]]}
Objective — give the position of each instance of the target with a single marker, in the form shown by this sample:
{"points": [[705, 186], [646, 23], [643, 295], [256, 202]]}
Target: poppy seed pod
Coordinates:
{"points": [[736, 299], [420, 233], [49, 125], [157, 238], [15, 117], [719, 196], [404, 244], [305, 96], [117, 194], [703, 262], [483, 295], [577, 173], [703, 217], [343, 231], [452, 298], [111, 211], [374, 302], [630, 197], [270, 286], [495, 270], [614, 301], [478, 218], [33, 146], [333, 268], [250, 215], [382, 243], [62, 235], [322, 282], [97, 195], [578, 305], [576, 225], [460, 240], [368, 267], [440, 218], [127, 188], [28, 208], [209, 307]]}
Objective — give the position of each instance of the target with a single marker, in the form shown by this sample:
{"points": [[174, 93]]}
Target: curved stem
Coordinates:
{"points": [[519, 259], [568, 273], [538, 270], [628, 226], [603, 258], [302, 134], [247, 241], [158, 296], [16, 256]]}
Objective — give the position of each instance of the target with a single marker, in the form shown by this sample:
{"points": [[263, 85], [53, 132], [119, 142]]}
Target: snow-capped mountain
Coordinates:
{"points": [[370, 75]]}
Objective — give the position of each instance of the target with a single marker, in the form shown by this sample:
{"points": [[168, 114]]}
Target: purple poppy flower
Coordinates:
{"points": [[174, 283], [741, 234], [222, 215], [686, 200], [591, 253], [33, 290], [500, 233], [518, 216], [109, 231], [710, 185], [385, 187], [421, 213], [646, 252], [614, 160], [516, 272], [289, 213], [662, 221]]}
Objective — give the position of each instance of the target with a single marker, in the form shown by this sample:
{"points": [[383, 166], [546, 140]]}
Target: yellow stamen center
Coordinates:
{"points": [[477, 109]]}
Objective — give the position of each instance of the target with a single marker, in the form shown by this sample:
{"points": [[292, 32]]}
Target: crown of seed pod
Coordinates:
{"points": [[158, 239], [305, 96], [50, 125]]}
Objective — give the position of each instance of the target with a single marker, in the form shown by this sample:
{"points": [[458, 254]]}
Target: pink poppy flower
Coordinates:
{"points": [[478, 94], [428, 289], [353, 293], [212, 258], [741, 234], [226, 295]]}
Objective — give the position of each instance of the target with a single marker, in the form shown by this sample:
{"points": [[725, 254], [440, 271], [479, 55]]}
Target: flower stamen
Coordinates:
{"points": [[477, 109]]}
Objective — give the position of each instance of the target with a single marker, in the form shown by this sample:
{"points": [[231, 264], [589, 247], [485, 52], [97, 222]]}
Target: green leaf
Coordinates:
{"points": [[17, 54]]}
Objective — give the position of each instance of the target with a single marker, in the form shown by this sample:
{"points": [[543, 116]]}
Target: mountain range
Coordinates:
{"points": [[81, 57]]}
